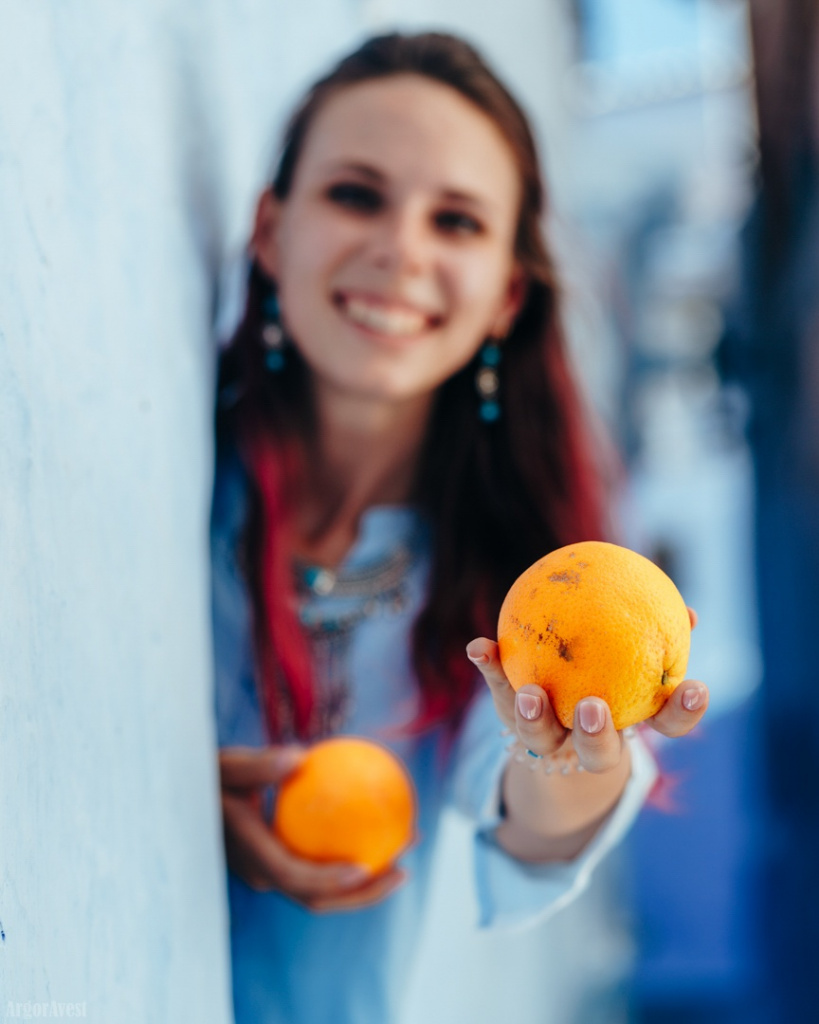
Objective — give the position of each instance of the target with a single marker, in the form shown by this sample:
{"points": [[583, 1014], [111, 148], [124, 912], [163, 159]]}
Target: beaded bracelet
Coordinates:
{"points": [[560, 762]]}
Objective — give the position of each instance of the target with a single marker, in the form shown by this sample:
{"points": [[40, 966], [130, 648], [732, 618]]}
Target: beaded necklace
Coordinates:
{"points": [[331, 604]]}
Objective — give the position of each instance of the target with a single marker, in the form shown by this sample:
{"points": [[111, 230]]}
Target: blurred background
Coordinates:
{"points": [[680, 142]]}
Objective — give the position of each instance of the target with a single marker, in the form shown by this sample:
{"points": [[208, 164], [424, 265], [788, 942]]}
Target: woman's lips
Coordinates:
{"points": [[397, 320]]}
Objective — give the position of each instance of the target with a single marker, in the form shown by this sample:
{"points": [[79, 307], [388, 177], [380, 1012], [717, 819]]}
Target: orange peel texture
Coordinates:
{"points": [[596, 620], [350, 800]]}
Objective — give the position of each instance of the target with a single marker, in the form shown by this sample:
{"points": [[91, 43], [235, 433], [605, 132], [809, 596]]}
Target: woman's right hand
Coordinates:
{"points": [[259, 859]]}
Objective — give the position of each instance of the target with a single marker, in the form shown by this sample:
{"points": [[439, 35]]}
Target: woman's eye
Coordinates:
{"points": [[456, 223], [355, 197]]}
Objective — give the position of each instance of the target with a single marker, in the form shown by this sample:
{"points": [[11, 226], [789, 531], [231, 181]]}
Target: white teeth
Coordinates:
{"points": [[386, 321]]}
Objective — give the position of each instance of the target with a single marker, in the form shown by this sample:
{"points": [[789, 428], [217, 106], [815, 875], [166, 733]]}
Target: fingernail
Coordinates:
{"points": [[693, 698], [529, 705], [353, 875], [477, 659], [592, 716]]}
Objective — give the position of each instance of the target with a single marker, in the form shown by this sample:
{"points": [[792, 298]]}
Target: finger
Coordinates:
{"points": [[683, 709], [536, 724], [598, 744], [484, 655], [246, 841], [365, 896], [262, 860], [250, 767], [693, 618]]}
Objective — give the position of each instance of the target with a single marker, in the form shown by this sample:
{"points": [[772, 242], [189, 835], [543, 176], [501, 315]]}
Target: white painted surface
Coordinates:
{"points": [[132, 139]]}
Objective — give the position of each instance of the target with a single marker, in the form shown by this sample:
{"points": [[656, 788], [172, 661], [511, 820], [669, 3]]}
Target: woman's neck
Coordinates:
{"points": [[365, 453]]}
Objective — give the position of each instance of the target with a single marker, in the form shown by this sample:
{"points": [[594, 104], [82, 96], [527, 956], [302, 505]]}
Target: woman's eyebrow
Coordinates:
{"points": [[454, 195], [355, 167]]}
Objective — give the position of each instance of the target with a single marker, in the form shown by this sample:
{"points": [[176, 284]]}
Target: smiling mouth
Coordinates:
{"points": [[384, 317]]}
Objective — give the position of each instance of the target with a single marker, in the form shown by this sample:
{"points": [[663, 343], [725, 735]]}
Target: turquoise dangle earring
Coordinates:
{"points": [[272, 334], [487, 381]]}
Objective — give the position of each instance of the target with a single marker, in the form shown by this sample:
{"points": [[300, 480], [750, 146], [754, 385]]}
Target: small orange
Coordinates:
{"points": [[350, 800], [596, 620]]}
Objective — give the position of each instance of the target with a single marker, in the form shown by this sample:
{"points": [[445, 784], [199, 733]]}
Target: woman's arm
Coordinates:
{"points": [[552, 817]]}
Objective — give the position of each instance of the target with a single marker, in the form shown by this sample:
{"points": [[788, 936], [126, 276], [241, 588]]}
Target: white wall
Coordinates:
{"points": [[132, 137]]}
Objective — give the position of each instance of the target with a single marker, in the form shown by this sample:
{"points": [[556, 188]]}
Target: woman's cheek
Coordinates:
{"points": [[484, 280]]}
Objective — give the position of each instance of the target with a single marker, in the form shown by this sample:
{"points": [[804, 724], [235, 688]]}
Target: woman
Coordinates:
{"points": [[399, 437]]}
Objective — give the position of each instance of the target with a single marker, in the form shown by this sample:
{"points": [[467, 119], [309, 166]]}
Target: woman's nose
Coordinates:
{"points": [[401, 241]]}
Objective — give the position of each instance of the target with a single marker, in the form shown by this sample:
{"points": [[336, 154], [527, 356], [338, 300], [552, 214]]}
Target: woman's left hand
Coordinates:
{"points": [[598, 745]]}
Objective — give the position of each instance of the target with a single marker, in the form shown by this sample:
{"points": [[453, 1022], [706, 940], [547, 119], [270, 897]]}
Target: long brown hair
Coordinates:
{"points": [[499, 495]]}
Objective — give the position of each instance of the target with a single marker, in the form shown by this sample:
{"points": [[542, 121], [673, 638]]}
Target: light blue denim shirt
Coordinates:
{"points": [[291, 966]]}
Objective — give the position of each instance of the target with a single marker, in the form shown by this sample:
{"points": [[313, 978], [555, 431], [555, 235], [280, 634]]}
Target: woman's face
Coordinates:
{"points": [[393, 250]]}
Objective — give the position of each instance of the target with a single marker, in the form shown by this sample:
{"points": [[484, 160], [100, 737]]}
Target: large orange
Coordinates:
{"points": [[349, 800], [596, 620]]}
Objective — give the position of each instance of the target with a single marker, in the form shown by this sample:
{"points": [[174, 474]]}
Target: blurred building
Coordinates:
{"points": [[771, 348]]}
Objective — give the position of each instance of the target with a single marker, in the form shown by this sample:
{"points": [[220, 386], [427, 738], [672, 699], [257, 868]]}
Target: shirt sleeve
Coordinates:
{"points": [[513, 893]]}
